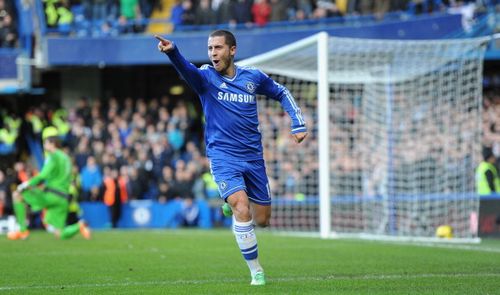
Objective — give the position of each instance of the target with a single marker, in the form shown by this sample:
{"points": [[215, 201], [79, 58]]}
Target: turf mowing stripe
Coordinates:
{"points": [[477, 248], [274, 279], [443, 244], [460, 247]]}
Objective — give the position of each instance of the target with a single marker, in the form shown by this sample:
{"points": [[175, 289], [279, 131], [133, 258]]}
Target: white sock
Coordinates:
{"points": [[247, 241]]}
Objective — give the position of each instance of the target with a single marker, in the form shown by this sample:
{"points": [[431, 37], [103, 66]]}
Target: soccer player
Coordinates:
{"points": [[233, 140], [54, 197]]}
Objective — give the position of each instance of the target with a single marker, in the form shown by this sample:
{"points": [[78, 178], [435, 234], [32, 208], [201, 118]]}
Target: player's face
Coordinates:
{"points": [[49, 146], [220, 54]]}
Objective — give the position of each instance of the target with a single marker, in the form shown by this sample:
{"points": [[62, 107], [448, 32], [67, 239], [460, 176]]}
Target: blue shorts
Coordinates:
{"points": [[232, 176]]}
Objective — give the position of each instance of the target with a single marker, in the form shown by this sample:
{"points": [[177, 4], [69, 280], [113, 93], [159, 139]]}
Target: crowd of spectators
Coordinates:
{"points": [[260, 12], [8, 30], [491, 122], [112, 17], [153, 149], [427, 153]]}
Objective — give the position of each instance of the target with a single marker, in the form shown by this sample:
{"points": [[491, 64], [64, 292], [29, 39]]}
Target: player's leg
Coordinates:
{"points": [[240, 206], [56, 216], [20, 213], [229, 178], [261, 214], [259, 192], [259, 196], [32, 197], [244, 231], [71, 230]]}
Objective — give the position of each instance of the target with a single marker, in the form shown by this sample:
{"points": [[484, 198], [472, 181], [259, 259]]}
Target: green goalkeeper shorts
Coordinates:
{"points": [[56, 206]]}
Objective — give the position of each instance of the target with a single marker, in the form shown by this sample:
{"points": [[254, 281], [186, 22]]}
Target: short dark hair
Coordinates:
{"points": [[487, 153], [55, 140], [228, 36]]}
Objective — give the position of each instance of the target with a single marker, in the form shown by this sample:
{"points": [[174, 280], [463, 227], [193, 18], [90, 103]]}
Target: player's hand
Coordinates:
{"points": [[22, 186], [299, 137], [164, 45]]}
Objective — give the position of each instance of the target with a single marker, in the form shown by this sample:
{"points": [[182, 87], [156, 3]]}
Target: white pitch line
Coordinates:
{"points": [[459, 247], [477, 248], [285, 279]]}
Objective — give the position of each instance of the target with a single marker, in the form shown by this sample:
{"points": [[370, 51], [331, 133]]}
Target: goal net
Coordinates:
{"points": [[394, 137]]}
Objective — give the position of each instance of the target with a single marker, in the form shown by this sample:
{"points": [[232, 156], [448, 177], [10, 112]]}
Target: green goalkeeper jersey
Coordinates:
{"points": [[56, 172]]}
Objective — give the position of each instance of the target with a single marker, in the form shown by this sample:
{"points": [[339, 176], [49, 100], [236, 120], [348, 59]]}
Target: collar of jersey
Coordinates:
{"points": [[236, 71]]}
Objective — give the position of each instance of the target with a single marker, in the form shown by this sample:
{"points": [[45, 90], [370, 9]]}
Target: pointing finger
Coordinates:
{"points": [[162, 40]]}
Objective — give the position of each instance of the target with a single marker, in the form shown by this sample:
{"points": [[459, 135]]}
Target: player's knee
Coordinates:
{"points": [[242, 212], [262, 221]]}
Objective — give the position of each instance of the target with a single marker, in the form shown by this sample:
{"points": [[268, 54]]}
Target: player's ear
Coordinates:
{"points": [[232, 50]]}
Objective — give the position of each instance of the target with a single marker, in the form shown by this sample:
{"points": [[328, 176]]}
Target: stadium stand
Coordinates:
{"points": [[8, 30], [108, 17], [156, 150]]}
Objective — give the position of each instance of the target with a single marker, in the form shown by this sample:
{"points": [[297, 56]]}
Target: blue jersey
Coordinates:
{"points": [[230, 107]]}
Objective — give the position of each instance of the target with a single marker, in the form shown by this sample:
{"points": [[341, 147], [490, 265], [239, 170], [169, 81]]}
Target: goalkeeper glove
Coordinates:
{"points": [[22, 186]]}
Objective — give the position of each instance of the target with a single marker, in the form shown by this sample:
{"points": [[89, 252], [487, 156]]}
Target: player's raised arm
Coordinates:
{"points": [[276, 91], [187, 70]]}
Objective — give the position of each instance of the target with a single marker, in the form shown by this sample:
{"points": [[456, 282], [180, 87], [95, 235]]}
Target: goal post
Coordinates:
{"points": [[395, 129], [323, 137]]}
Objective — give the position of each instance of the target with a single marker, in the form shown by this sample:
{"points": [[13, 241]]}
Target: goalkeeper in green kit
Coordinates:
{"points": [[53, 197]]}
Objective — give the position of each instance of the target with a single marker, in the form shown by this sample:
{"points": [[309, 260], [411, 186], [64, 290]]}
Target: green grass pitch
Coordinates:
{"points": [[208, 262]]}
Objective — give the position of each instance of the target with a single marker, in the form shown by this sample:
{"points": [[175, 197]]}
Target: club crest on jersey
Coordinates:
{"points": [[222, 185], [251, 87]]}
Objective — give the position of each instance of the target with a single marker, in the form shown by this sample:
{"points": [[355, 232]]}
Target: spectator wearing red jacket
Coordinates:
{"points": [[261, 11]]}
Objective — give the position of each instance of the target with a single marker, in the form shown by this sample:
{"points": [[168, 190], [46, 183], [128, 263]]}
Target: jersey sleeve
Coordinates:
{"points": [[276, 91], [48, 166], [490, 178], [189, 72]]}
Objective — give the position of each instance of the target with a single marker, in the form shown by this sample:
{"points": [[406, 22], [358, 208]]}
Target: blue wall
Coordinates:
{"points": [[8, 67], [145, 214], [150, 214], [141, 49]]}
